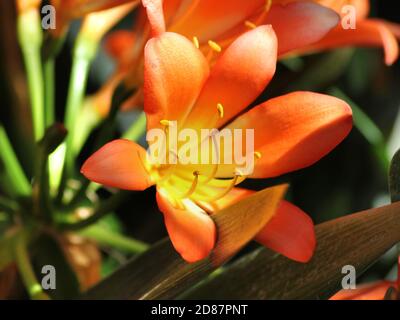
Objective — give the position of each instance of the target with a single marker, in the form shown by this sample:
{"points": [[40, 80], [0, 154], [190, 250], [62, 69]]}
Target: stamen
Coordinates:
{"points": [[258, 155], [236, 180], [250, 24], [196, 42], [166, 123], [215, 46], [216, 165], [193, 186], [268, 5], [220, 109]]}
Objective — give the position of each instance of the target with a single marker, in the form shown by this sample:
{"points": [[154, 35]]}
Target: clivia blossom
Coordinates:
{"points": [[212, 26], [290, 132], [301, 27], [367, 32]]}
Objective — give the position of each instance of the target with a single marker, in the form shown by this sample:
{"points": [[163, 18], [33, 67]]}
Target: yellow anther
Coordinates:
{"points": [[166, 123], [258, 155], [268, 5], [215, 46], [250, 24], [196, 42], [220, 109]]}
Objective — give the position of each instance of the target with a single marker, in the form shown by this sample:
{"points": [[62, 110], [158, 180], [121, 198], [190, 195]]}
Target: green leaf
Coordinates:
{"points": [[160, 273], [106, 237], [357, 240]]}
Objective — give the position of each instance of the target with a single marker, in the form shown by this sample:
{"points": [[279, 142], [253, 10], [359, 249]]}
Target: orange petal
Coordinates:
{"points": [[295, 130], [174, 74], [369, 32], [290, 232], [371, 291], [118, 164], [155, 14], [237, 78], [301, 23], [191, 230], [208, 19]]}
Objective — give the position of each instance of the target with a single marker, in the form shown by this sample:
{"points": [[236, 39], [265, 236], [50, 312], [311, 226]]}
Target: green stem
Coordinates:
{"points": [[104, 208], [83, 54], [17, 178], [49, 76], [25, 268], [106, 237], [137, 129], [30, 38]]}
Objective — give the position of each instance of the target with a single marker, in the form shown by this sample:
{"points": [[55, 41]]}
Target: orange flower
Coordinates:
{"points": [[368, 31], [68, 10], [212, 25], [290, 132]]}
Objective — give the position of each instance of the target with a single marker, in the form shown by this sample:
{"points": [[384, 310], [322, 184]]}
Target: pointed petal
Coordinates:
{"points": [[174, 74], [118, 164], [300, 24], [290, 232], [295, 130], [237, 79], [369, 33], [191, 230]]}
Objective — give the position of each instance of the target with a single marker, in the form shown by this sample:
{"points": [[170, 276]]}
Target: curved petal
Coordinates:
{"points": [[118, 164], [300, 24], [371, 291], [369, 32], [191, 230], [174, 73], [290, 232], [362, 7], [295, 130], [155, 14], [208, 19], [237, 79]]}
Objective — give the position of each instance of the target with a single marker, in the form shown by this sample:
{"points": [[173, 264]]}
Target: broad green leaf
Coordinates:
{"points": [[160, 273], [357, 240]]}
